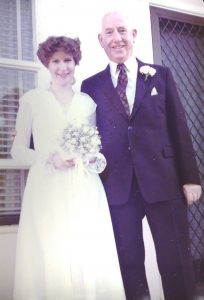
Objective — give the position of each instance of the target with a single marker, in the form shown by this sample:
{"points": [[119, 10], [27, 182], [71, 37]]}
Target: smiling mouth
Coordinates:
{"points": [[118, 47], [63, 75]]}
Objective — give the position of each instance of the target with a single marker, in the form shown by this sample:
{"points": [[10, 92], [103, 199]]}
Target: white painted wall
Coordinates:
{"points": [[7, 260], [82, 18]]}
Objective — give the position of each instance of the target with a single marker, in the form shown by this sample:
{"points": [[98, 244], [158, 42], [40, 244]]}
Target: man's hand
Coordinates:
{"points": [[192, 192]]}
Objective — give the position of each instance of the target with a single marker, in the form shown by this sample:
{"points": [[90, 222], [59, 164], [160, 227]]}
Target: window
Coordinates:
{"points": [[18, 71]]}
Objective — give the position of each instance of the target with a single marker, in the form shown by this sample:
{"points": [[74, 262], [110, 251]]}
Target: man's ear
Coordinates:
{"points": [[134, 32], [100, 39]]}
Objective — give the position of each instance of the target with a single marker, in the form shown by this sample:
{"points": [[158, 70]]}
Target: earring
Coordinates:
{"points": [[73, 81]]}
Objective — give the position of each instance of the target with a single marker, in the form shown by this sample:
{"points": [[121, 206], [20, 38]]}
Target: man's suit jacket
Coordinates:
{"points": [[154, 142]]}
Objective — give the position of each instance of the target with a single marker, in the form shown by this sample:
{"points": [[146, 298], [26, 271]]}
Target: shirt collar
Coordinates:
{"points": [[131, 64]]}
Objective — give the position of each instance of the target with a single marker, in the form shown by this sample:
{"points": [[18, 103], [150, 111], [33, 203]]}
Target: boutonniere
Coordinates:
{"points": [[147, 71]]}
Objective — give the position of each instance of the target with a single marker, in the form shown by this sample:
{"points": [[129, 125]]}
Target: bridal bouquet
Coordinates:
{"points": [[83, 144], [80, 141]]}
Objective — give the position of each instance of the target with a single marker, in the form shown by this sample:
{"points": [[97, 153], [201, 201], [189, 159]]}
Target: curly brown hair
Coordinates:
{"points": [[54, 43]]}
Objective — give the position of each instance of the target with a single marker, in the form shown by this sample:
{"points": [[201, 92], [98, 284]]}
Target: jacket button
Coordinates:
{"points": [[129, 148], [130, 127]]}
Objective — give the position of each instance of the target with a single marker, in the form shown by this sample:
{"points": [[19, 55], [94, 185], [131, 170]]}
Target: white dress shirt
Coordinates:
{"points": [[131, 68]]}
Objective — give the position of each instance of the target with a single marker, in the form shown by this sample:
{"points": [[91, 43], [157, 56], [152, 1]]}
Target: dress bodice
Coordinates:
{"points": [[41, 114]]}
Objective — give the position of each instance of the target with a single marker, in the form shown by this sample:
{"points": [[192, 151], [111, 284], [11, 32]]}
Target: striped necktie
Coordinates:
{"points": [[121, 87]]}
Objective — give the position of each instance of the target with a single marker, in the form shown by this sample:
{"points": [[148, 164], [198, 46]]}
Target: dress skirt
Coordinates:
{"points": [[65, 246]]}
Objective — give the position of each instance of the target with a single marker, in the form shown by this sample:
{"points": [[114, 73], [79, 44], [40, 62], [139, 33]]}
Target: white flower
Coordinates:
{"points": [[147, 71], [80, 140]]}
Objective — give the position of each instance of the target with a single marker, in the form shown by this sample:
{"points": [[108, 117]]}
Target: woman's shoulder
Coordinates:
{"points": [[34, 97], [85, 98], [85, 102]]}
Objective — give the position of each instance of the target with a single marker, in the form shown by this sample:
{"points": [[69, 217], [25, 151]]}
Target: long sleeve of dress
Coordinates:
{"points": [[20, 150], [99, 163]]}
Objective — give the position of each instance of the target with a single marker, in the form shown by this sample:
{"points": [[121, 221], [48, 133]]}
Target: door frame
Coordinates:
{"points": [[155, 14]]}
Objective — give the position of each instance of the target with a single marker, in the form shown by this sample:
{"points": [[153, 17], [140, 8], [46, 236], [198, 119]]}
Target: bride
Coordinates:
{"points": [[65, 245]]}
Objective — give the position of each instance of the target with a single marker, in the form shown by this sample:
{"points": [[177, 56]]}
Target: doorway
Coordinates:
{"points": [[178, 43]]}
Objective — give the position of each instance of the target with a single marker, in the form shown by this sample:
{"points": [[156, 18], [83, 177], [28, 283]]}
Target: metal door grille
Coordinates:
{"points": [[182, 50]]}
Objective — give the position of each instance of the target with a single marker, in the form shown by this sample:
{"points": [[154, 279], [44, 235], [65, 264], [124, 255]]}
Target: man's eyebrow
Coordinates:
{"points": [[108, 29]]}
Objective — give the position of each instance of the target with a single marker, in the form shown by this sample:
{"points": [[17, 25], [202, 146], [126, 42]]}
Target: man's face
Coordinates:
{"points": [[117, 37]]}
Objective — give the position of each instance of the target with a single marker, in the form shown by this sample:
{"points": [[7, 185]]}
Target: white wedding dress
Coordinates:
{"points": [[65, 245]]}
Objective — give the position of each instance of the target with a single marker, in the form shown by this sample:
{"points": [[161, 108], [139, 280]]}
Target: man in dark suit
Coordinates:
{"points": [[151, 168]]}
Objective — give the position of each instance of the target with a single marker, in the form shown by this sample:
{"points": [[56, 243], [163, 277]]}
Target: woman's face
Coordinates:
{"points": [[61, 68]]}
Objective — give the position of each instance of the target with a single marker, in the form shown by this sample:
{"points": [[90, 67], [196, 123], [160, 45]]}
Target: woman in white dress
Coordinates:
{"points": [[65, 245]]}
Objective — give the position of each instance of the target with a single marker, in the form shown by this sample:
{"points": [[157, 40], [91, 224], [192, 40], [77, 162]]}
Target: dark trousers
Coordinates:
{"points": [[169, 226]]}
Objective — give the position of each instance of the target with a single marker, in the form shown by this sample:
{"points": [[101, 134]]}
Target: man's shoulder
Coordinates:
{"points": [[158, 67], [160, 73], [97, 76]]}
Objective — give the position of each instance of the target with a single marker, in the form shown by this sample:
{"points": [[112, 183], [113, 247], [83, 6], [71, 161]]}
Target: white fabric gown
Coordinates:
{"points": [[65, 246]]}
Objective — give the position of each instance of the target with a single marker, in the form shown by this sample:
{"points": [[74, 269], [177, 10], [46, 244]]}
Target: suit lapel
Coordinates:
{"points": [[111, 95], [110, 92], [141, 88]]}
